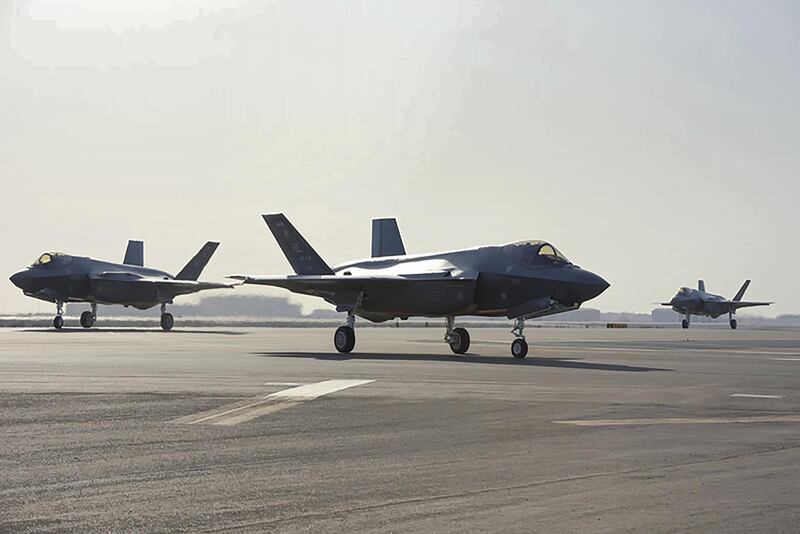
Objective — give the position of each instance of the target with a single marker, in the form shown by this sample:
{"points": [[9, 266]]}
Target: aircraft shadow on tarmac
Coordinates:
{"points": [[565, 363], [133, 330]]}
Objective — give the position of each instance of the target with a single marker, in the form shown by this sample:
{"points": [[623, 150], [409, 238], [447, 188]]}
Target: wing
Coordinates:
{"points": [[328, 285], [163, 285], [740, 304]]}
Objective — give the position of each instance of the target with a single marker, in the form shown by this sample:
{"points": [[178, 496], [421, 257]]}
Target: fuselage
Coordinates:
{"points": [[695, 302], [56, 277], [511, 280]]}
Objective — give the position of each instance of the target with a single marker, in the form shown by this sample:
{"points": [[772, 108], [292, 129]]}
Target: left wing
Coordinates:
{"points": [[739, 304], [178, 287]]}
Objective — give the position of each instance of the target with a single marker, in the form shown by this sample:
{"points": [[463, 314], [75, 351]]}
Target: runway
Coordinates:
{"points": [[270, 429]]}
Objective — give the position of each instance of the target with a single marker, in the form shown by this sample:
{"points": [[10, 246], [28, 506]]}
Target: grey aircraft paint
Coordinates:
{"points": [[62, 278], [688, 302], [519, 281]]}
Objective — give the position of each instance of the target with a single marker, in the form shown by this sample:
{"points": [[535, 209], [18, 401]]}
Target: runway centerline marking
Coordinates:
{"points": [[249, 409], [756, 396], [684, 421]]}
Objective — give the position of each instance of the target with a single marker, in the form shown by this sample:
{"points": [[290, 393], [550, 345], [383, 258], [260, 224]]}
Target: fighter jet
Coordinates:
{"points": [[520, 281], [60, 278], [690, 302]]}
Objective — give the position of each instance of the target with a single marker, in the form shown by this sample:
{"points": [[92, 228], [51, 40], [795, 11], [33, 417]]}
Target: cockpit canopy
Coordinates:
{"points": [[535, 253], [685, 291], [46, 258]]}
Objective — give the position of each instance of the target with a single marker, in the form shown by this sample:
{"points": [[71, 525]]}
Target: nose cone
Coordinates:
{"points": [[20, 279], [589, 285]]}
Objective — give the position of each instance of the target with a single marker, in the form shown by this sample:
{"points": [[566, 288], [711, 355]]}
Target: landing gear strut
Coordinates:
{"points": [[344, 339], [732, 321], [686, 320], [167, 320], [89, 317], [457, 338], [58, 320], [519, 347]]}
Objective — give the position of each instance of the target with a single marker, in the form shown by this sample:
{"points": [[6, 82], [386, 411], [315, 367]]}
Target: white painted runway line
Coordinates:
{"points": [[786, 359], [755, 396], [249, 409], [684, 421]]}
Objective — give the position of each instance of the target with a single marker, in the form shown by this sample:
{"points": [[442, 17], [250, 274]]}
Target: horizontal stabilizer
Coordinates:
{"points": [[302, 258], [196, 265], [134, 254], [386, 240]]}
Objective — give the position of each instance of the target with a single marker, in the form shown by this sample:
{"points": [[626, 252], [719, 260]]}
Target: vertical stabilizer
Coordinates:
{"points": [[134, 254], [701, 286], [742, 289], [386, 240], [196, 265], [302, 258]]}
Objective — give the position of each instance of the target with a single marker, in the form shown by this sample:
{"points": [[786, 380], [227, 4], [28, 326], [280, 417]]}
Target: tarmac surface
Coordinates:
{"points": [[255, 430]]}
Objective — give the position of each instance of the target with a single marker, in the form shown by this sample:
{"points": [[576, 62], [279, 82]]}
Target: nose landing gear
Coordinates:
{"points": [[58, 320], [519, 347], [686, 321]]}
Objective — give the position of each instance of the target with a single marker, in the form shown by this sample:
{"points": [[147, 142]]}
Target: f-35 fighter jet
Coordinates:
{"points": [[61, 278], [520, 281], [690, 302]]}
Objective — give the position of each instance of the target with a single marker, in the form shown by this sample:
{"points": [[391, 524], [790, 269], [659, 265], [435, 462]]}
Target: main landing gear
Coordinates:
{"points": [[89, 317], [167, 320], [519, 347], [457, 338], [344, 339], [732, 321], [58, 320]]}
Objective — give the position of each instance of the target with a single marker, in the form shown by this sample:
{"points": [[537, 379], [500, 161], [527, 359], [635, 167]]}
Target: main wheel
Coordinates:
{"points": [[519, 348], [167, 322], [344, 339], [684, 324], [87, 319], [58, 322], [459, 341], [733, 324]]}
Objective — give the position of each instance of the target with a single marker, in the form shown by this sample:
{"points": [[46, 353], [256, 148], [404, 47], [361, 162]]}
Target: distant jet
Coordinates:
{"points": [[60, 278], [520, 281], [690, 302]]}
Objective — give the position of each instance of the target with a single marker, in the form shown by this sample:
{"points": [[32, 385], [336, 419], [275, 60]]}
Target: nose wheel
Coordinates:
{"points": [[58, 320], [519, 347]]}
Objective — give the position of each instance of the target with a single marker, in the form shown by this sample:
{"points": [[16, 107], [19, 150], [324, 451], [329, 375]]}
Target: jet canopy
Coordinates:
{"points": [[46, 258], [534, 253]]}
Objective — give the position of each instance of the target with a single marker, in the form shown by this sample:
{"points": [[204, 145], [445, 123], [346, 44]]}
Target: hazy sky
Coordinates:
{"points": [[652, 142]]}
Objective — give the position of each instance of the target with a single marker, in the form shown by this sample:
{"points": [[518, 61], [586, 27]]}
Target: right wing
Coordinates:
{"points": [[739, 304]]}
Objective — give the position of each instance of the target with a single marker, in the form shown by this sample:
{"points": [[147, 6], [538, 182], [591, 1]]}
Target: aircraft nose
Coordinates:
{"points": [[591, 285], [19, 279]]}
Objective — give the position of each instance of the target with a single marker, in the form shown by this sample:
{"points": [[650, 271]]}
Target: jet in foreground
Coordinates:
{"points": [[520, 281], [690, 302], [61, 278]]}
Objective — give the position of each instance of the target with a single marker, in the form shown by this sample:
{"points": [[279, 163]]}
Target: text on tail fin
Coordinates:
{"points": [[196, 265], [302, 258]]}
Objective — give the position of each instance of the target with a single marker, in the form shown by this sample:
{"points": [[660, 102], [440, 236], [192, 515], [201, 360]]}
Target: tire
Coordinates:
{"points": [[58, 322], [167, 322], [519, 348], [459, 343], [684, 324], [87, 319], [344, 339], [733, 324]]}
